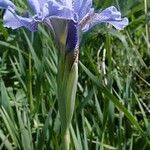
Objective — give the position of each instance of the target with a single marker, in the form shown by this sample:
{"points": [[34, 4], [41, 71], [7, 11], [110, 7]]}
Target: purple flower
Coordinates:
{"points": [[41, 9], [77, 15]]}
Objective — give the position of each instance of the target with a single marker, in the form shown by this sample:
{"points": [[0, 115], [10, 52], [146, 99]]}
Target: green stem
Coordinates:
{"points": [[67, 78], [30, 82], [66, 140], [146, 25]]}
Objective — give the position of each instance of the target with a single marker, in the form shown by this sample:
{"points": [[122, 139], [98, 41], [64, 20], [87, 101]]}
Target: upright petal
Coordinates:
{"points": [[110, 15], [42, 2], [5, 3], [12, 20], [35, 5], [54, 9], [67, 3], [82, 7]]}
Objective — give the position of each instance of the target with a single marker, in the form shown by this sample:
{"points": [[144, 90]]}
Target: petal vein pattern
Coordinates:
{"points": [[110, 15], [53, 9], [35, 5], [12, 20], [79, 12]]}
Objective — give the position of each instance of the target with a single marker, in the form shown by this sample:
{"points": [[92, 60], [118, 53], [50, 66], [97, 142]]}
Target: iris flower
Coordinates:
{"points": [[78, 14]]}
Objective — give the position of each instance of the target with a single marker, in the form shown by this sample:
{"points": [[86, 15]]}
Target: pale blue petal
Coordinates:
{"points": [[35, 5], [82, 7], [5, 3], [42, 2], [110, 15], [67, 3], [85, 23], [12, 20], [54, 9]]}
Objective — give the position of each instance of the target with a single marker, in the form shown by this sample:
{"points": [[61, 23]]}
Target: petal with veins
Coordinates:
{"points": [[35, 5], [54, 9], [12, 20], [110, 15], [5, 3], [82, 7], [42, 2]]}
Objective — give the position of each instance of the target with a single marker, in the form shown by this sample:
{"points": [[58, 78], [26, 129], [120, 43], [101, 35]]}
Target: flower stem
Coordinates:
{"points": [[146, 25], [30, 83], [67, 78], [66, 140]]}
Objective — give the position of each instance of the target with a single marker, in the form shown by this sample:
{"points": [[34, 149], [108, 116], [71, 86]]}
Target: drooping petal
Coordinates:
{"points": [[5, 3], [54, 9], [110, 15], [82, 7], [12, 20], [35, 5], [72, 36]]}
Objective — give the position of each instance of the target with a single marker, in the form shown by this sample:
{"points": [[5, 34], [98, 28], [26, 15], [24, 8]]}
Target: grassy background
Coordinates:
{"points": [[112, 108]]}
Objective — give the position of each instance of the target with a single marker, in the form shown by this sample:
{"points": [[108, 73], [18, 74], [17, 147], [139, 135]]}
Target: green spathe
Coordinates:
{"points": [[67, 85]]}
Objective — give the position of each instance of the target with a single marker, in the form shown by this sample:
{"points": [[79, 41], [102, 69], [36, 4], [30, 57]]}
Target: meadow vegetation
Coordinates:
{"points": [[112, 109]]}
